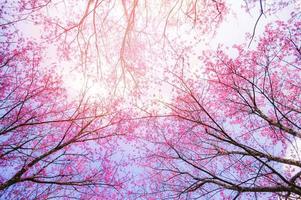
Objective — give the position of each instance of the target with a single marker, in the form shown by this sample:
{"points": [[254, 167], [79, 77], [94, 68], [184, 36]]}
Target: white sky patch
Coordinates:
{"points": [[237, 24], [76, 83]]}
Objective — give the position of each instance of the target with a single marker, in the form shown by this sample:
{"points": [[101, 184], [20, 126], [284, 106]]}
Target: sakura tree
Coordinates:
{"points": [[52, 147], [236, 135], [90, 88]]}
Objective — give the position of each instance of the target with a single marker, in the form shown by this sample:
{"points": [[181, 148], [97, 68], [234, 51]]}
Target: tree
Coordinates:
{"points": [[52, 146], [239, 136]]}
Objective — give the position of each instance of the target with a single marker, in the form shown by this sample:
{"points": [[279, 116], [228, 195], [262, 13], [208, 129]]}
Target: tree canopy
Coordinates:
{"points": [[185, 99]]}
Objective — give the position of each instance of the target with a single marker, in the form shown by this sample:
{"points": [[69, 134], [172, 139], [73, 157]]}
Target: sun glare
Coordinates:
{"points": [[77, 84]]}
